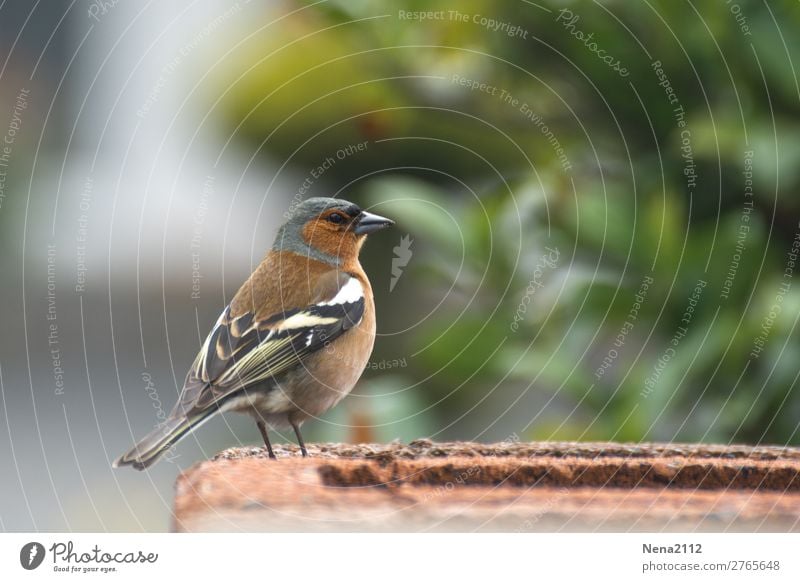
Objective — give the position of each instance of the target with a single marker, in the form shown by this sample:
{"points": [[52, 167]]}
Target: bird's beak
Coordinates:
{"points": [[368, 222]]}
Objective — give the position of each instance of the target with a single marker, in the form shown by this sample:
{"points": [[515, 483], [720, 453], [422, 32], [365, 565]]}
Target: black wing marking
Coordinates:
{"points": [[240, 352]]}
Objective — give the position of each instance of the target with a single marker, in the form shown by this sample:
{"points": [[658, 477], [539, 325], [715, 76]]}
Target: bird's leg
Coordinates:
{"points": [[299, 436], [263, 428]]}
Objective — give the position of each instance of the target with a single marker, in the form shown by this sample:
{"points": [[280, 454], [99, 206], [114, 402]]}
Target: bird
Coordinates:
{"points": [[294, 339]]}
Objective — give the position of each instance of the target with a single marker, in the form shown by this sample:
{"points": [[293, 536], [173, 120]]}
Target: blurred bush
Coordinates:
{"points": [[526, 268]]}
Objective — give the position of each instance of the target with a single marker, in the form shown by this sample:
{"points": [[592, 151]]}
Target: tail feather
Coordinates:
{"points": [[148, 450]]}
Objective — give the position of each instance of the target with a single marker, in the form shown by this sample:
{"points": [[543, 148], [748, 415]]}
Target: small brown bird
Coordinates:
{"points": [[295, 338]]}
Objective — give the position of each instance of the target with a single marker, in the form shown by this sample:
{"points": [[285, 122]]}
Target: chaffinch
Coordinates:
{"points": [[295, 338]]}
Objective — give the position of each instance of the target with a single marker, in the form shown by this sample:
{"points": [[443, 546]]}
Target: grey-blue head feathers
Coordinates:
{"points": [[290, 236]]}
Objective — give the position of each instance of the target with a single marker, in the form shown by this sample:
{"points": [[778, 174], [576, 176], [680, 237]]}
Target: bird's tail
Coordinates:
{"points": [[148, 450]]}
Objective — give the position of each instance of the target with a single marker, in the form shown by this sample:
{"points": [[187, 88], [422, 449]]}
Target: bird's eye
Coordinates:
{"points": [[336, 218]]}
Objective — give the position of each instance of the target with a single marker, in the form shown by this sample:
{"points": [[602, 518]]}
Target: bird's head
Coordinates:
{"points": [[328, 229]]}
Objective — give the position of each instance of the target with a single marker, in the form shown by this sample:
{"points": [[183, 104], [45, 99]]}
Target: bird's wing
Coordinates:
{"points": [[242, 351]]}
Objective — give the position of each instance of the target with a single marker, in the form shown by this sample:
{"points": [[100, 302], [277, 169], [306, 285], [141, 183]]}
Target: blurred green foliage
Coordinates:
{"points": [[482, 190]]}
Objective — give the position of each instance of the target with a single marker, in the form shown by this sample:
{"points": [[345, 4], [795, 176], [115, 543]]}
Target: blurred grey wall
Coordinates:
{"points": [[128, 219]]}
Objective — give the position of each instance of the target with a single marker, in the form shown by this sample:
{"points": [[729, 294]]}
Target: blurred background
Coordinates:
{"points": [[596, 205]]}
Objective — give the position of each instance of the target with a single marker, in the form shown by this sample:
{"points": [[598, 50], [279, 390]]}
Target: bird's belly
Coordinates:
{"points": [[314, 392], [315, 386], [332, 373], [267, 399]]}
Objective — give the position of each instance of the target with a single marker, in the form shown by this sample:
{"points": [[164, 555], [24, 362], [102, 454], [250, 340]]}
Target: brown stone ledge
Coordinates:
{"points": [[426, 486]]}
